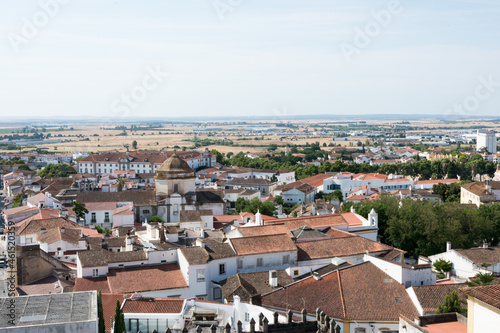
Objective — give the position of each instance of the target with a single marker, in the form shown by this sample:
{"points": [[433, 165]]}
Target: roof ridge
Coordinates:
{"points": [[341, 292]]}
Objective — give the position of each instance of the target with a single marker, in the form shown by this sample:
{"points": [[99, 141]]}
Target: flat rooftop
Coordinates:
{"points": [[450, 327], [38, 310]]}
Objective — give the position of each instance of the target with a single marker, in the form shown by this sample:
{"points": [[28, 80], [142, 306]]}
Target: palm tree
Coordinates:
{"points": [[120, 182]]}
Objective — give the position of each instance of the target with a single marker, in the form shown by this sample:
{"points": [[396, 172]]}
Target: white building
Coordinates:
{"points": [[483, 312], [468, 263], [486, 140]]}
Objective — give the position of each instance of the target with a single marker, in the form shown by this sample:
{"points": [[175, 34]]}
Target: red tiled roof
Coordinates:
{"points": [[158, 277], [338, 247], [264, 230], [262, 244], [97, 283], [487, 294], [316, 221], [153, 305], [108, 308], [358, 292], [351, 219]]}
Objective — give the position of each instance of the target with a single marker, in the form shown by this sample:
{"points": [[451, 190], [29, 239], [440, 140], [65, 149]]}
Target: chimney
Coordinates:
{"points": [[448, 246], [353, 210], [313, 209], [485, 245], [273, 279], [488, 187], [42, 231]]}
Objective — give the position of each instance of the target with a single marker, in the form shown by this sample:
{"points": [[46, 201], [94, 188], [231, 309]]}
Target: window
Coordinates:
{"points": [[286, 259], [359, 330], [239, 262], [222, 269], [176, 188], [95, 272], [93, 218], [145, 211], [200, 275], [295, 272], [106, 217], [217, 293], [247, 316], [260, 262]]}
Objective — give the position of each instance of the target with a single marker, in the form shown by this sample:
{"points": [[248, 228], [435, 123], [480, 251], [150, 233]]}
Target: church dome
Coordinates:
{"points": [[174, 167]]}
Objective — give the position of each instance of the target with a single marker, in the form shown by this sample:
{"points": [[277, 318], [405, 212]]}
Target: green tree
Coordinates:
{"points": [[119, 324], [481, 279], [23, 167], [452, 303], [100, 313], [155, 218], [120, 182], [79, 209], [134, 144], [17, 201], [337, 194], [442, 267]]}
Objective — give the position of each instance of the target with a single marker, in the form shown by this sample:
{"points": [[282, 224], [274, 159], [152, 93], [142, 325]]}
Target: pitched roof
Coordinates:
{"points": [[194, 215], [34, 226], [479, 256], [58, 234], [87, 284], [477, 188], [263, 230], [138, 198], [153, 305], [338, 247], [158, 277], [108, 307], [195, 255], [431, 296], [316, 221], [209, 196], [358, 292], [487, 294], [94, 258], [247, 285], [249, 181], [262, 244], [307, 232]]}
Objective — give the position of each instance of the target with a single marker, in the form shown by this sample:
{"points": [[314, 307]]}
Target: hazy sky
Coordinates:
{"points": [[248, 57]]}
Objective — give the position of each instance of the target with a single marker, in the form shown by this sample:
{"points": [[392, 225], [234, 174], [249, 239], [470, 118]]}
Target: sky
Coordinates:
{"points": [[163, 58]]}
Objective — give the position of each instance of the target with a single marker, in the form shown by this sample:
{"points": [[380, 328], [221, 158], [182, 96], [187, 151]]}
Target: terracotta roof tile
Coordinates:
{"points": [[317, 221], [97, 283], [358, 292], [153, 305], [262, 244], [263, 230], [488, 294], [431, 296], [338, 247], [478, 256], [158, 277]]}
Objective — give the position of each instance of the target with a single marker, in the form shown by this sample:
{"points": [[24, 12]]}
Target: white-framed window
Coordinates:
{"points": [[359, 330], [286, 259], [247, 316], [222, 269], [200, 275], [260, 262], [95, 272]]}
